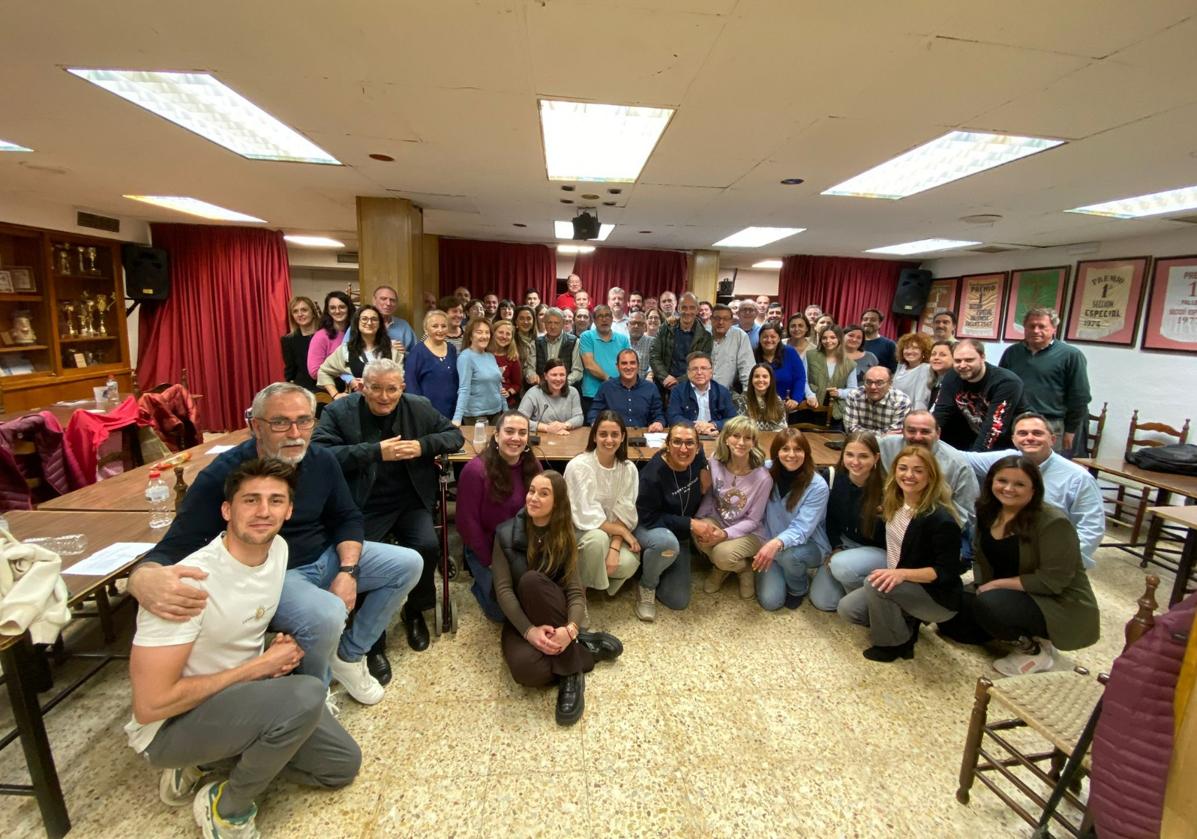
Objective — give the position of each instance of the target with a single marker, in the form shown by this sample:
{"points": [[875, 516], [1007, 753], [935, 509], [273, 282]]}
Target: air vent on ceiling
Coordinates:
{"points": [[347, 256], [1184, 219], [993, 249], [97, 222]]}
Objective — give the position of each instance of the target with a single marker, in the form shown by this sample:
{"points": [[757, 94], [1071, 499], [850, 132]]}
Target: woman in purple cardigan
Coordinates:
{"points": [[490, 491]]}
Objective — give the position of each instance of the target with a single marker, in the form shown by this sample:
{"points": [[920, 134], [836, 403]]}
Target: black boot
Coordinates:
{"points": [[571, 698], [377, 662], [416, 628], [602, 645], [905, 650]]}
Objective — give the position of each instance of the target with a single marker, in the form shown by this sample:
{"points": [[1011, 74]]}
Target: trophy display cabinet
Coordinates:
{"points": [[62, 316]]}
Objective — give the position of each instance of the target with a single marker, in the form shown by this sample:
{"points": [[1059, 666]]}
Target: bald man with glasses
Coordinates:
{"points": [[876, 407]]}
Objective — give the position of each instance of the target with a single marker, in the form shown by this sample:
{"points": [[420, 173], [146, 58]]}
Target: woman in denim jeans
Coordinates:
{"points": [[794, 517]]}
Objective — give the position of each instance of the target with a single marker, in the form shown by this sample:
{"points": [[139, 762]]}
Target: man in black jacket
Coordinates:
{"points": [[385, 442], [554, 343], [978, 402]]}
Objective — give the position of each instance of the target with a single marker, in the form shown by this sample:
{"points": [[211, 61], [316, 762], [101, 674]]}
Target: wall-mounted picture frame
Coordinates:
{"points": [[1107, 299], [6, 282], [1032, 288], [23, 281], [940, 297], [1171, 324], [981, 298]]}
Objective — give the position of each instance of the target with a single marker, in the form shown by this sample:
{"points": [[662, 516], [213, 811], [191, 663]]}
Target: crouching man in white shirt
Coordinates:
{"points": [[208, 692]]}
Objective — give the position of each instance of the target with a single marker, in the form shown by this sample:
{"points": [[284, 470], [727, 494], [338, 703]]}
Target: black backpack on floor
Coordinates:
{"points": [[1179, 459]]}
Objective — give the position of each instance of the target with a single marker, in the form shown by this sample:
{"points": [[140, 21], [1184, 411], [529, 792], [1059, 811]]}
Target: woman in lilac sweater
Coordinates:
{"points": [[338, 310], [490, 491], [735, 505]]}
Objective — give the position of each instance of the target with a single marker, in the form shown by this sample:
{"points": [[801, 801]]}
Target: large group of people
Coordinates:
{"points": [[321, 527]]}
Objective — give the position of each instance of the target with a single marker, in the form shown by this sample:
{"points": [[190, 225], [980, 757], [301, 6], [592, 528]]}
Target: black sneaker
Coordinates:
{"points": [[571, 699], [602, 645]]}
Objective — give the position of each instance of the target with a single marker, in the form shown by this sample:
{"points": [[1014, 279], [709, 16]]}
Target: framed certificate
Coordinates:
{"points": [[1033, 288], [981, 297], [941, 297], [1106, 301], [1172, 306]]}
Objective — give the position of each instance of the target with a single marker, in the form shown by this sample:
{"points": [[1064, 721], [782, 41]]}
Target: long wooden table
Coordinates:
{"points": [[63, 413], [21, 662], [1186, 517], [1167, 484], [126, 492]]}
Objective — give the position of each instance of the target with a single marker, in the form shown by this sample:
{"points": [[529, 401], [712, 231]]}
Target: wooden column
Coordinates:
{"points": [[704, 274], [390, 234]]}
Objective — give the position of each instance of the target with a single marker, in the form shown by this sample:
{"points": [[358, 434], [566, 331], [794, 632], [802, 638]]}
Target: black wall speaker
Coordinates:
{"points": [[586, 226], [147, 272], [914, 285]]}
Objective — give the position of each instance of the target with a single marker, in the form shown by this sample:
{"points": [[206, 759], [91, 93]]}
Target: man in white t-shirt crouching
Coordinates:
{"points": [[207, 691]]}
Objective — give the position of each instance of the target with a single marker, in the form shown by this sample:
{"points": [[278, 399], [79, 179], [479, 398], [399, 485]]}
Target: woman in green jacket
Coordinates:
{"points": [[829, 371], [1032, 588]]}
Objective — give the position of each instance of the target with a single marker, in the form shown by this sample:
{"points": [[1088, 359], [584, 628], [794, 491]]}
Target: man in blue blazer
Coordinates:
{"points": [[703, 402]]}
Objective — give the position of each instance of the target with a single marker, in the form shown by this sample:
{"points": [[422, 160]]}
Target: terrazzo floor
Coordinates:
{"points": [[721, 720]]}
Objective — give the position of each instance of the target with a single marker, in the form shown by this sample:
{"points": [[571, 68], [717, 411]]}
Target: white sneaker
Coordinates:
{"points": [[177, 787], [330, 702], [1035, 656], [646, 604], [356, 679], [211, 823]]}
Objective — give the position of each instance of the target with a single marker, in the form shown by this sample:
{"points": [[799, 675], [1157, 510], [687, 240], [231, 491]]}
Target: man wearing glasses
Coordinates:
{"points": [[329, 562], [386, 442], [876, 407]]}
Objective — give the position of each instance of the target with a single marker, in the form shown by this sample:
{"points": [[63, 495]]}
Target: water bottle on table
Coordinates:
{"points": [[479, 435], [158, 494], [112, 391]]}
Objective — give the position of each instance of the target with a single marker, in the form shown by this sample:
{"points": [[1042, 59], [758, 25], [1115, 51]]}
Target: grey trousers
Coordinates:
{"points": [[268, 728], [885, 614]]}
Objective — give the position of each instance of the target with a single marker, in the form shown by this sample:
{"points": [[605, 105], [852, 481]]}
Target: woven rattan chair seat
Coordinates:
{"points": [[1057, 705]]}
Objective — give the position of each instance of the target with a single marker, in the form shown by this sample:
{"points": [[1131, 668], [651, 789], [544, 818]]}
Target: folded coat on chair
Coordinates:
{"points": [[86, 432], [32, 594]]}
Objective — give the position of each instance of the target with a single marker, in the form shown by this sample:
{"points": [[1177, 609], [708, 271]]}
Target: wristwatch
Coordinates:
{"points": [[351, 570]]}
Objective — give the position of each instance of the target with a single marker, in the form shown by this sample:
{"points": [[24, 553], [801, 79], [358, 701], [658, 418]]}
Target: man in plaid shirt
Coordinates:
{"points": [[876, 407]]}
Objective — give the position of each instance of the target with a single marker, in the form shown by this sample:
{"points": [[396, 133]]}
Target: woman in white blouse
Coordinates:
{"points": [[603, 485]]}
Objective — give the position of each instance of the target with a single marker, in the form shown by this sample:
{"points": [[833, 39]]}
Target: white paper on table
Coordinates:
{"points": [[109, 559], [219, 449], [66, 403], [655, 439]]}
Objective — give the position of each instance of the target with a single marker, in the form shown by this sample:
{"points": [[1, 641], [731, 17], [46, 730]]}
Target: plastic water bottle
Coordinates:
{"points": [[479, 435], [158, 494], [112, 390]]}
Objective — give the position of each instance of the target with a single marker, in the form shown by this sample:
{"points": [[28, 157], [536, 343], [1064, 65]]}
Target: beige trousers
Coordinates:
{"points": [[593, 546], [733, 555]]}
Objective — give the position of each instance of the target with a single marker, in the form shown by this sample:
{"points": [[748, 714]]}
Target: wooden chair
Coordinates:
{"points": [[822, 421], [1129, 500], [1059, 706], [1094, 429]]}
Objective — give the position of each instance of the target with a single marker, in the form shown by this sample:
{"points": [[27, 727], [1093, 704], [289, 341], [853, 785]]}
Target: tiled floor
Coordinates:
{"points": [[718, 721]]}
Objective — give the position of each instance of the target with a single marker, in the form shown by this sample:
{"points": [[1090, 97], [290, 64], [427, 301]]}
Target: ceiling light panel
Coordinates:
{"points": [[565, 230], [953, 156], [7, 146], [923, 246], [768, 263], [1157, 203], [314, 242], [585, 141], [195, 207], [201, 103], [755, 237]]}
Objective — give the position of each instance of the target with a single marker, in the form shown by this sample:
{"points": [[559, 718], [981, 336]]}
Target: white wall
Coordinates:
{"points": [[753, 281], [1162, 386]]}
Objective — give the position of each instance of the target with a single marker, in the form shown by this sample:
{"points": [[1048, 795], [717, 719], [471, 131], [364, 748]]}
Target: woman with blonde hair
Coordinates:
{"points": [[430, 367], [735, 506], [921, 578], [832, 373], [535, 566], [302, 315], [507, 356]]}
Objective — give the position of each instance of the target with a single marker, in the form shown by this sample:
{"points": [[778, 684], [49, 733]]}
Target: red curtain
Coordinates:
{"points": [[506, 268], [842, 286], [222, 321], [649, 272]]}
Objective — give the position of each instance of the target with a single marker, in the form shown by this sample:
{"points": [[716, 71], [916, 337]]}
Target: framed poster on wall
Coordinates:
{"points": [[941, 296], [1172, 306], [980, 313], [1033, 288], [1106, 300]]}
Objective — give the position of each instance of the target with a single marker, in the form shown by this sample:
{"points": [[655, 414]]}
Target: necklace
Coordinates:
{"points": [[683, 497]]}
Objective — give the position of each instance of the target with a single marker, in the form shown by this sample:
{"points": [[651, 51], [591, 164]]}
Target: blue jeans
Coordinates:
{"points": [[787, 574], [665, 565], [846, 571], [483, 588], [316, 617]]}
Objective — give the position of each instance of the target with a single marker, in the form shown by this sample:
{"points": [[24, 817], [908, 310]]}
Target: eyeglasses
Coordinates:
{"points": [[684, 444], [882, 383], [367, 320], [387, 391], [284, 424]]}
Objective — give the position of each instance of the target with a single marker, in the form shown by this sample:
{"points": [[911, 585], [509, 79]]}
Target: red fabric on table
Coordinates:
{"points": [[86, 432], [227, 307], [632, 269], [507, 269], [843, 286]]}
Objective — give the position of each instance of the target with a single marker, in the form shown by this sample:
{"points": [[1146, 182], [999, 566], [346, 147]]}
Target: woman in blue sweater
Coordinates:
{"points": [[479, 378], [794, 517], [430, 369], [788, 369]]}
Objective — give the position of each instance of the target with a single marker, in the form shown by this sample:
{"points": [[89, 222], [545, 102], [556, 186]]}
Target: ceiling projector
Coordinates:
{"points": [[586, 226]]}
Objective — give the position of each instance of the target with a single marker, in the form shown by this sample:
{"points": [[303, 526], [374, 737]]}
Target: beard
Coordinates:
{"points": [[291, 452]]}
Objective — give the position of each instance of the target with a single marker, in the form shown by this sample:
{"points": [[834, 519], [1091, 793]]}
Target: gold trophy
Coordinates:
{"points": [[91, 261], [102, 304], [86, 315], [80, 253], [68, 309], [64, 259]]}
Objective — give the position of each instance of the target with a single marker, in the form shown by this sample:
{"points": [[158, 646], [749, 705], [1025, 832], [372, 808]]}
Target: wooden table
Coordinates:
{"points": [[63, 413], [126, 491], [1167, 484], [22, 663], [1186, 517], [563, 447]]}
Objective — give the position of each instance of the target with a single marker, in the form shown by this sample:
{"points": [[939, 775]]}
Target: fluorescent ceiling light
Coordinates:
{"points": [[7, 146], [755, 237], [565, 230], [314, 241], [923, 246], [194, 207], [584, 141], [201, 103], [767, 263], [953, 156], [1174, 200], [575, 249]]}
